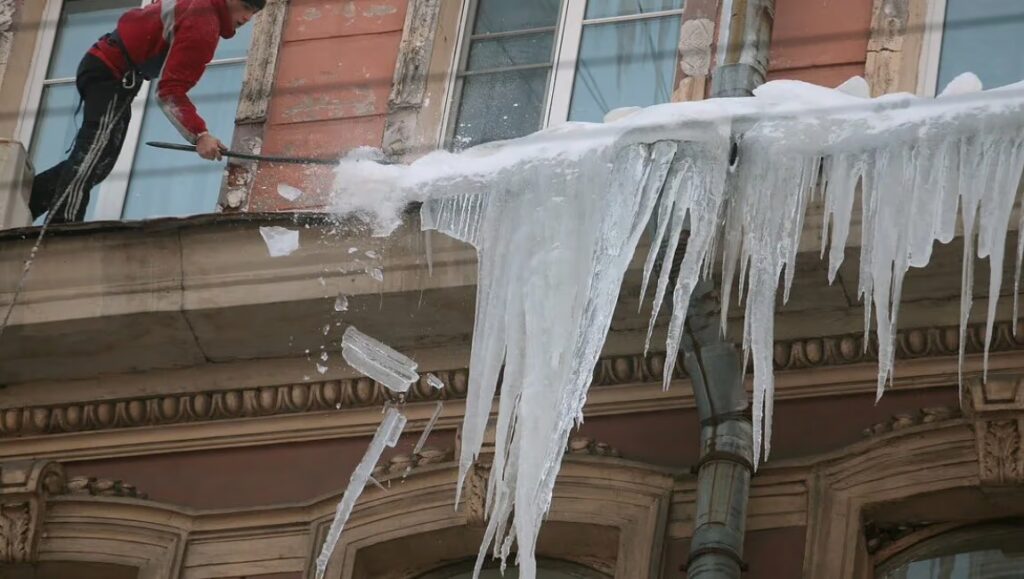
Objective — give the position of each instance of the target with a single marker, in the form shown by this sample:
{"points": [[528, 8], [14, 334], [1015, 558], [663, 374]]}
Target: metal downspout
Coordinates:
{"points": [[714, 365]]}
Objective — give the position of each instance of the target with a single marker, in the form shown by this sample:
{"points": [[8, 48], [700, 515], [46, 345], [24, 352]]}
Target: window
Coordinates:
{"points": [[979, 36], [145, 182], [546, 569], [535, 63], [990, 552]]}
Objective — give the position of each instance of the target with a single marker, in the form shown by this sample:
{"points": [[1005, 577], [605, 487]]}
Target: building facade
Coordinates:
{"points": [[173, 403]]}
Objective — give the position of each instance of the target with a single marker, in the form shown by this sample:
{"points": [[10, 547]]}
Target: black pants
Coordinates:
{"points": [[64, 188]]}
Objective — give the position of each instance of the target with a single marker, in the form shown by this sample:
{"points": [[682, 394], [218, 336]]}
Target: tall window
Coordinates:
{"points": [[534, 63], [144, 182], [988, 552], [979, 36]]}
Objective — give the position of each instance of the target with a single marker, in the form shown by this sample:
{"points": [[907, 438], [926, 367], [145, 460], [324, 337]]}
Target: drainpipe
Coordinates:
{"points": [[714, 365]]}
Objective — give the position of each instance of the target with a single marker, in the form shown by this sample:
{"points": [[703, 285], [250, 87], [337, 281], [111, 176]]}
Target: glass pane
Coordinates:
{"points": [[165, 183], [501, 105], [972, 553], [624, 64], [610, 8], [511, 51], [55, 131], [238, 45], [983, 37], [505, 15], [82, 23]]}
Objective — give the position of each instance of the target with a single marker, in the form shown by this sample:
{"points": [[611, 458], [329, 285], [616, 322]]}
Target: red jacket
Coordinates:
{"points": [[173, 40]]}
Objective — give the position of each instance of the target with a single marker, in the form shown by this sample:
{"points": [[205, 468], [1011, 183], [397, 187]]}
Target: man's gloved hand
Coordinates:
{"points": [[210, 147]]}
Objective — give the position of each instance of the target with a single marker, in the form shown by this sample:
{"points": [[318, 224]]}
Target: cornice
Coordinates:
{"points": [[809, 367]]}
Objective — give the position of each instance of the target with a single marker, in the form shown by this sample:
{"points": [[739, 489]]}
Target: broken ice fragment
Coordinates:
{"points": [[387, 436], [377, 484], [428, 427], [341, 304], [435, 382], [280, 241], [376, 360], [376, 273], [372, 254], [324, 356], [288, 192], [353, 249], [321, 369]]}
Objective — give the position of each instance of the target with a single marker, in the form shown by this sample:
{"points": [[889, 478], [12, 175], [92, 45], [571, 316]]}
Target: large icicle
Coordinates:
{"points": [[555, 218], [387, 436], [393, 370]]}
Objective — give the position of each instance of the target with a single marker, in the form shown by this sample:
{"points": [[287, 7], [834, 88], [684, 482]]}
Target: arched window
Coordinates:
{"points": [[546, 569], [980, 552]]}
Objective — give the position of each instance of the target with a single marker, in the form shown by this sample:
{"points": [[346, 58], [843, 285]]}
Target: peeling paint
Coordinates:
{"points": [[378, 10], [360, 101]]}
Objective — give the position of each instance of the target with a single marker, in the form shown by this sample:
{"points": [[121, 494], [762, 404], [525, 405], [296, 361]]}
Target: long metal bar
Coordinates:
{"points": [[248, 156]]}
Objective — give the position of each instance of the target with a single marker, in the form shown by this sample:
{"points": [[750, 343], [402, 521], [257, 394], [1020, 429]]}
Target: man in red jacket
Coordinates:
{"points": [[169, 40]]}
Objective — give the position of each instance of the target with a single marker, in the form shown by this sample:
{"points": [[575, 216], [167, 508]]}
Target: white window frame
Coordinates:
{"points": [[113, 192], [568, 35], [931, 48]]}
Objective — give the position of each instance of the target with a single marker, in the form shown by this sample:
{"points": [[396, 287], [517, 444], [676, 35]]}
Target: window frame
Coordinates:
{"points": [[112, 194], [931, 48], [565, 55]]}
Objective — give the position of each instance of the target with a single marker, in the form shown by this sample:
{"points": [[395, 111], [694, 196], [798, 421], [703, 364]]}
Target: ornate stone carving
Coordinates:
{"points": [[8, 8], [923, 416], [997, 408], [695, 41], [585, 445], [879, 536], [15, 540], [402, 464], [1000, 452], [363, 392], [24, 488], [101, 487], [474, 495]]}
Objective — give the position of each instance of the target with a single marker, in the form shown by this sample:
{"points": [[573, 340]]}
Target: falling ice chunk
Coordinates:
{"points": [[376, 360], [435, 382], [428, 427], [387, 436], [376, 273], [288, 192], [341, 304], [280, 241]]}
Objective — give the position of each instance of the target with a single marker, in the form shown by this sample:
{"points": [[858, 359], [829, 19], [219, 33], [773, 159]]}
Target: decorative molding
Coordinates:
{"points": [[695, 41], [409, 87], [15, 536], [261, 64], [404, 464], [101, 487], [613, 371], [24, 489], [999, 455], [923, 416], [878, 536], [894, 47], [588, 446], [996, 406]]}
